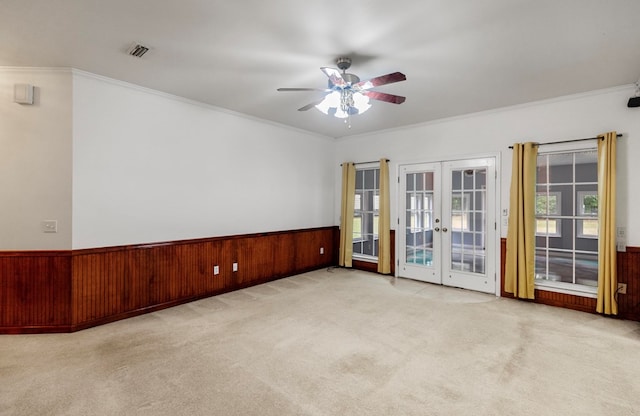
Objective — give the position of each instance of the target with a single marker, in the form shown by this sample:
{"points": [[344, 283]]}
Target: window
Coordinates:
{"points": [[548, 204], [588, 205], [567, 220], [366, 213]]}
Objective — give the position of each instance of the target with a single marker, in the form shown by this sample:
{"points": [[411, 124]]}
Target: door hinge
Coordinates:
{"points": [[398, 220], [398, 179], [495, 225]]}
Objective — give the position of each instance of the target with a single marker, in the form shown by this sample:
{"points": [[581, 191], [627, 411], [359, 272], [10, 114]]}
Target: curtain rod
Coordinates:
{"points": [[364, 163], [570, 141]]}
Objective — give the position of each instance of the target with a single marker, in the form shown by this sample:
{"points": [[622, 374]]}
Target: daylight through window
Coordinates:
{"points": [[567, 219], [366, 213]]}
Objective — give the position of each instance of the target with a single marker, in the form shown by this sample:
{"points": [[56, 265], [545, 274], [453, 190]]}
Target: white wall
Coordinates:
{"points": [[118, 164], [35, 160], [152, 167], [578, 116]]}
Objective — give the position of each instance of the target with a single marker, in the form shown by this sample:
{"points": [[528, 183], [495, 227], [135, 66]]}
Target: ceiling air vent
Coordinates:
{"points": [[137, 50]]}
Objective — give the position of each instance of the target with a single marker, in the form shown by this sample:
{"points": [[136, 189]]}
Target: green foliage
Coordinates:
{"points": [[590, 204], [456, 202], [541, 205]]}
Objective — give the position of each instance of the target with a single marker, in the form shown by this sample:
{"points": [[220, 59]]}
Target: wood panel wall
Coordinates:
{"points": [[35, 291], [64, 291], [628, 272], [68, 291]]}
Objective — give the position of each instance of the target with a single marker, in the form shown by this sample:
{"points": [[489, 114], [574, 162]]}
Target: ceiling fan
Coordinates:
{"points": [[346, 95]]}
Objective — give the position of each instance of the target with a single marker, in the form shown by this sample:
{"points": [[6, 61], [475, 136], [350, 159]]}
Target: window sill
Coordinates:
{"points": [[368, 259], [567, 288]]}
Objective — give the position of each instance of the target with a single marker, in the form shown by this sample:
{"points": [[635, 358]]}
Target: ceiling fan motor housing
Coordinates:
{"points": [[348, 95], [349, 78], [343, 63]]}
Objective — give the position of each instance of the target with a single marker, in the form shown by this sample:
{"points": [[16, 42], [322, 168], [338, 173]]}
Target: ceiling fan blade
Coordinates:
{"points": [[383, 96], [381, 80], [303, 89], [310, 105], [334, 76]]}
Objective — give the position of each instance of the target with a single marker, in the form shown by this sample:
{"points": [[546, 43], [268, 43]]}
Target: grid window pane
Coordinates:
{"points": [[420, 182], [366, 207], [566, 218], [468, 228], [357, 228], [560, 167]]}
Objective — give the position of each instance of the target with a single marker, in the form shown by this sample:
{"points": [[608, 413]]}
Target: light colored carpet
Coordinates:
{"points": [[332, 342]]}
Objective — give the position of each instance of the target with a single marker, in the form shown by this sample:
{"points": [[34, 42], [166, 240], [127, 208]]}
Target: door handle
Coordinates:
{"points": [[436, 229], [444, 229]]}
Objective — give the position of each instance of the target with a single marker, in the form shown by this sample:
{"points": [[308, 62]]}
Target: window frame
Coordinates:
{"points": [[571, 288], [367, 215]]}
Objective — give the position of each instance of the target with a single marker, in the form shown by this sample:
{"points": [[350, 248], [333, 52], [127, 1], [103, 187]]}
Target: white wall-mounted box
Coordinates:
{"points": [[23, 93]]}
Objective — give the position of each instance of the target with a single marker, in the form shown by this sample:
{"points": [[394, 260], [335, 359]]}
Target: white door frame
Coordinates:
{"points": [[428, 271], [497, 205]]}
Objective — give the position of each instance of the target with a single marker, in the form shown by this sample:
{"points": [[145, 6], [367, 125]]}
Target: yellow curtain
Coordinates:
{"points": [[384, 223], [346, 213], [521, 235], [607, 266]]}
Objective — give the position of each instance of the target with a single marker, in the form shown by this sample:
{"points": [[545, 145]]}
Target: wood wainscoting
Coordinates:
{"points": [[71, 290], [628, 272], [35, 291]]}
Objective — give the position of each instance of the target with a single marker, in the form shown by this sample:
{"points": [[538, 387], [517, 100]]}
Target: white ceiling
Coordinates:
{"points": [[459, 56]]}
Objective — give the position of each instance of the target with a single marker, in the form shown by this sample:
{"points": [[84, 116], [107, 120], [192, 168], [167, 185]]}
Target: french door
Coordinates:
{"points": [[448, 223]]}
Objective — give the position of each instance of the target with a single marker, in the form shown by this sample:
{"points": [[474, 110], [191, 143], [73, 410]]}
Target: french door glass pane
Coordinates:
{"points": [[419, 218], [468, 215]]}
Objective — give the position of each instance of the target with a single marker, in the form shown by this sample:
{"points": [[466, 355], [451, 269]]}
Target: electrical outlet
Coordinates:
{"points": [[216, 269], [235, 267], [321, 250], [49, 226], [622, 288]]}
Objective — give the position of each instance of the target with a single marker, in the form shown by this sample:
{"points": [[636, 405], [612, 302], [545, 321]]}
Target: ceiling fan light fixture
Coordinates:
{"points": [[331, 100], [346, 95], [343, 103], [361, 102]]}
